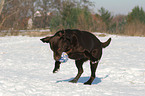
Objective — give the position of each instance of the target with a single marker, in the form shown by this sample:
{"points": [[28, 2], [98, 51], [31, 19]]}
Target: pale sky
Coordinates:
{"points": [[118, 6]]}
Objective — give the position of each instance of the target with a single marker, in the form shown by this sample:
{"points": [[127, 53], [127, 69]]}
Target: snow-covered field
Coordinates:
{"points": [[26, 66]]}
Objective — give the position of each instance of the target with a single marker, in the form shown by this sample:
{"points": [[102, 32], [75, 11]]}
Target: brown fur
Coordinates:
{"points": [[80, 46]]}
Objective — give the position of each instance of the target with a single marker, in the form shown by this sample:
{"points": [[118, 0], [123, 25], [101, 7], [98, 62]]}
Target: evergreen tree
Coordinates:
{"points": [[137, 14], [105, 16]]}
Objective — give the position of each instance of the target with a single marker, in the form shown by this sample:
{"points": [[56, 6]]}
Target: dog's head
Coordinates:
{"points": [[60, 42]]}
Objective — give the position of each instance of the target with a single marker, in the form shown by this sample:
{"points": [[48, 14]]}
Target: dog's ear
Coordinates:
{"points": [[46, 39]]}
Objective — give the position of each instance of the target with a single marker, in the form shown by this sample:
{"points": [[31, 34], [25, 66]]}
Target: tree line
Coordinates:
{"points": [[75, 14]]}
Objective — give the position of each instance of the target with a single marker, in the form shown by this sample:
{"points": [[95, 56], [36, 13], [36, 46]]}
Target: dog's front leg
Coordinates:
{"points": [[57, 66], [79, 64]]}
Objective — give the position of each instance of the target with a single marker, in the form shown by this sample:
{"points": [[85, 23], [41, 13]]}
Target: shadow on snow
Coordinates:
{"points": [[97, 80]]}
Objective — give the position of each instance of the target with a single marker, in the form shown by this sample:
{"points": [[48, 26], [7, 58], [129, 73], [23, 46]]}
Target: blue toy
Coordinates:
{"points": [[64, 57]]}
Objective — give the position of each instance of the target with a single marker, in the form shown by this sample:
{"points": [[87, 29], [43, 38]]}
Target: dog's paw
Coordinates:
{"points": [[87, 83], [55, 71], [73, 81]]}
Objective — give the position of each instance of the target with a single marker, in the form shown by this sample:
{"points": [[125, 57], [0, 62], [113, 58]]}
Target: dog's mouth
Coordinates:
{"points": [[57, 55]]}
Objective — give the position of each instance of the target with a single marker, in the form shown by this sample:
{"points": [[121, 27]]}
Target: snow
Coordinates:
{"points": [[26, 66]]}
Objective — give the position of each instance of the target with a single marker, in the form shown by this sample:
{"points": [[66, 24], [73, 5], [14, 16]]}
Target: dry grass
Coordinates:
{"points": [[135, 29], [36, 34], [18, 33]]}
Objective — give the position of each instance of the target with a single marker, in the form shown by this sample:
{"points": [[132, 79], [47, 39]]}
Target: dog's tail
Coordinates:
{"points": [[105, 44]]}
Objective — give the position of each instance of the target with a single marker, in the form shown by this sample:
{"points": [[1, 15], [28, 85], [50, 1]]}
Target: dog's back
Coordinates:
{"points": [[86, 39]]}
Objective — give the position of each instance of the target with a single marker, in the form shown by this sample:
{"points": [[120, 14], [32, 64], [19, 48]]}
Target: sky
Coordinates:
{"points": [[118, 6]]}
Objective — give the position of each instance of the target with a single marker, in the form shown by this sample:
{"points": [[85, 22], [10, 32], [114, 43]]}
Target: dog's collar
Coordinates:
{"points": [[69, 51]]}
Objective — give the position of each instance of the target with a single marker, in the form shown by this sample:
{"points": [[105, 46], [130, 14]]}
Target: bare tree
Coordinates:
{"points": [[15, 13], [18, 12], [1, 5]]}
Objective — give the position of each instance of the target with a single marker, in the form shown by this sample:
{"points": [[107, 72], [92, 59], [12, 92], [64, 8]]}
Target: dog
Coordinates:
{"points": [[80, 46]]}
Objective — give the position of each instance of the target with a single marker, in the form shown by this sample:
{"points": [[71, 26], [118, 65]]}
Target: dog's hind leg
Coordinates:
{"points": [[93, 71], [79, 64], [57, 66]]}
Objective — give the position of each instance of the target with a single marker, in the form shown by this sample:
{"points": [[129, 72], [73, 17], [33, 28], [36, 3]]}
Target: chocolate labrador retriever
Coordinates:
{"points": [[80, 46]]}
